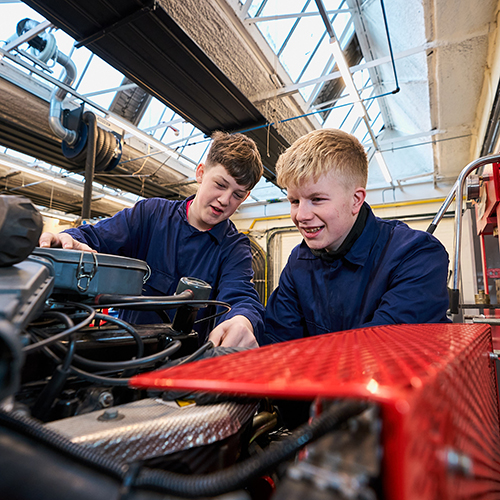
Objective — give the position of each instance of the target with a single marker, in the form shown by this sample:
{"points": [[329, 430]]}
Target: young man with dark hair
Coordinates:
{"points": [[352, 269], [192, 238]]}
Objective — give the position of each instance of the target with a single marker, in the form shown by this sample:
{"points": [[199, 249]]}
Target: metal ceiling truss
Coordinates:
{"points": [[294, 16], [175, 71]]}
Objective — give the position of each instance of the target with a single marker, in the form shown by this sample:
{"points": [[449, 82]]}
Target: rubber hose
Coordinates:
{"points": [[100, 145], [126, 326], [112, 142], [56, 382], [99, 379], [236, 476], [106, 298], [192, 486], [152, 303], [96, 379], [196, 354], [102, 151], [62, 335], [33, 429], [133, 363], [105, 148]]}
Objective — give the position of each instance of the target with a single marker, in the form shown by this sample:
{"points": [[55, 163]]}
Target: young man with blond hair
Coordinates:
{"points": [[352, 269], [192, 238]]}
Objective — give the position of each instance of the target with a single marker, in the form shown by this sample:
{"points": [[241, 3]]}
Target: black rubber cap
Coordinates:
{"points": [[20, 228]]}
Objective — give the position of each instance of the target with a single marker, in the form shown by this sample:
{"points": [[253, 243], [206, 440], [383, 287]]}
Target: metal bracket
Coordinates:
{"points": [[81, 274], [148, 274]]}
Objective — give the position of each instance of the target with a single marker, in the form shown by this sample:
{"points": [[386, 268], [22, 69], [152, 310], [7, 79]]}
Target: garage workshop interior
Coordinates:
{"points": [[249, 249]]}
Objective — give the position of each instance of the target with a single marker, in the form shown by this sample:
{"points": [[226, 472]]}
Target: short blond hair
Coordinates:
{"points": [[320, 152]]}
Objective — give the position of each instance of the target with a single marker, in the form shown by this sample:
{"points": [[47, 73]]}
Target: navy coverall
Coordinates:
{"points": [[392, 274], [157, 231]]}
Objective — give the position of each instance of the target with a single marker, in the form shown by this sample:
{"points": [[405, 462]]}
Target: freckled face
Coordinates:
{"points": [[218, 197], [325, 211]]}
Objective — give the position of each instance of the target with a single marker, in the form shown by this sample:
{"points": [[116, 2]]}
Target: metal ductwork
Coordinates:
{"points": [[70, 125]]}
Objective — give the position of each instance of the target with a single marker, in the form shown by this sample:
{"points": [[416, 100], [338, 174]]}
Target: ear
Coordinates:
{"points": [[200, 170], [358, 198]]}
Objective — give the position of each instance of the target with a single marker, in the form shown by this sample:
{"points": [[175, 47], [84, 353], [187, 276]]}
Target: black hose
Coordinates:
{"points": [[66, 333], [90, 119], [92, 377], [172, 348], [150, 303], [86, 455], [126, 326], [54, 386], [122, 365], [196, 354], [99, 379], [204, 485], [70, 352], [105, 298], [218, 483]]}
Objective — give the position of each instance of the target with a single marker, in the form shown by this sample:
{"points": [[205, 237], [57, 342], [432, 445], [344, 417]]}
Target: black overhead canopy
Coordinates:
{"points": [[143, 42]]}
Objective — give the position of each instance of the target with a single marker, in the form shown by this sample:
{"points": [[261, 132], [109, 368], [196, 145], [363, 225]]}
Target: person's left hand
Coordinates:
{"points": [[234, 332]]}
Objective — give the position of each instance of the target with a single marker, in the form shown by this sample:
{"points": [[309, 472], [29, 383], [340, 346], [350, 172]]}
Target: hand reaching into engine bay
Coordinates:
{"points": [[62, 240], [234, 332]]}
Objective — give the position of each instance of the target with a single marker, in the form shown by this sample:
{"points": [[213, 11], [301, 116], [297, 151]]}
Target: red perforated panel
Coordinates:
{"points": [[436, 385]]}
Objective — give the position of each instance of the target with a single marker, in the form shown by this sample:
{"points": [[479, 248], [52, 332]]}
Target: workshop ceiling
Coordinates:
{"points": [[252, 66], [142, 41]]}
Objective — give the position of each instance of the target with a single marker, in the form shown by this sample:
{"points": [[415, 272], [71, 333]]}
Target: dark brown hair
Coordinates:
{"points": [[239, 155]]}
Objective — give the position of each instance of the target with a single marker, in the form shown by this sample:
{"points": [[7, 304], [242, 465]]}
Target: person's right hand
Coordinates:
{"points": [[62, 240]]}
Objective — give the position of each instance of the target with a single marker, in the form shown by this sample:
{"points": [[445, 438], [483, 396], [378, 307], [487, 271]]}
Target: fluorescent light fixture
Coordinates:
{"points": [[347, 77], [185, 167], [67, 218], [121, 201], [383, 166], [148, 139], [32, 171]]}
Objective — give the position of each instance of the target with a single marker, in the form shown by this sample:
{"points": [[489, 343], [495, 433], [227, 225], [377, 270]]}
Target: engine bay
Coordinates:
{"points": [[92, 407]]}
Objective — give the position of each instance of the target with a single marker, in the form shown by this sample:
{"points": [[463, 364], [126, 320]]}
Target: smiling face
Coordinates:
{"points": [[325, 211], [218, 197]]}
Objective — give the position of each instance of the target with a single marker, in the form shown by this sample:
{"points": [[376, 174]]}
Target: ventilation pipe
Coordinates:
{"points": [[57, 99], [46, 49], [83, 142]]}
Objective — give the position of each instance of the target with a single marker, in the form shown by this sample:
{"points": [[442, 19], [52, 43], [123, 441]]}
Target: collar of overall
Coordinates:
{"points": [[347, 244]]}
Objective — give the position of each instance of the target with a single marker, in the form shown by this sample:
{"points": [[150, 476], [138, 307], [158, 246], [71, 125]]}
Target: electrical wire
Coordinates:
{"points": [[99, 379], [172, 348], [66, 333], [92, 377], [135, 335], [196, 354], [145, 303], [208, 318], [70, 352], [126, 326]]}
